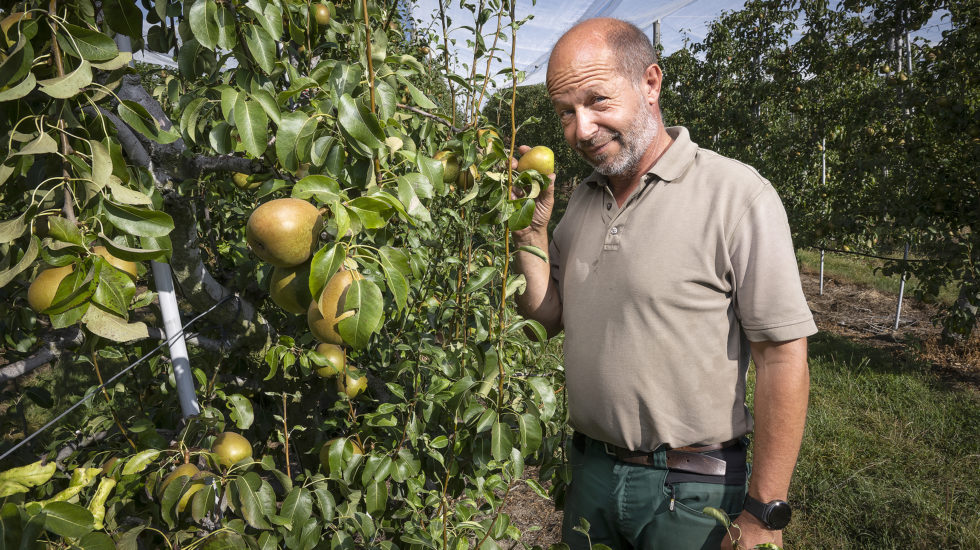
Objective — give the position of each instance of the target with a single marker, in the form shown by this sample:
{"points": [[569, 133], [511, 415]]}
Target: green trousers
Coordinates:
{"points": [[632, 506]]}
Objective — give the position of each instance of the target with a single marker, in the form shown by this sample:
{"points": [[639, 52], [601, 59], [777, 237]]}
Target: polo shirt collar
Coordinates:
{"points": [[670, 166]]}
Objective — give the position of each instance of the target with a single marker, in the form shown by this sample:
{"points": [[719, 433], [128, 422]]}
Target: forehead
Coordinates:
{"points": [[573, 71]]}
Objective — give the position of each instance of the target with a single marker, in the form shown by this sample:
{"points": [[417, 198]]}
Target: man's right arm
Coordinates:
{"points": [[540, 300]]}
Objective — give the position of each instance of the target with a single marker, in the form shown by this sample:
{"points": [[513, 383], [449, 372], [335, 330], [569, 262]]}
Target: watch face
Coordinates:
{"points": [[778, 514]]}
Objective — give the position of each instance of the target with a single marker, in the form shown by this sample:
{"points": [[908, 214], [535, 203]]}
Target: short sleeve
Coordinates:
{"points": [[769, 300]]}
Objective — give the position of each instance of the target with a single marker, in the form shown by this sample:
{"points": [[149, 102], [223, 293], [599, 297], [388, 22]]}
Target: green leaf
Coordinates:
{"points": [[252, 124], [19, 480], [124, 17], [18, 62], [44, 144], [269, 104], [202, 18], [227, 38], [544, 394], [376, 497], [396, 282], [533, 250], [20, 90], [530, 430], [414, 206], [253, 505], [134, 254], [140, 461], [324, 501], [118, 62], [115, 289], [486, 421], [125, 195], [268, 15], [262, 47], [359, 123], [11, 229], [113, 327], [325, 263], [241, 410], [480, 279], [431, 169], [136, 116], [521, 218], [26, 260], [141, 222], [97, 541], [101, 163], [372, 211], [365, 299], [289, 130], [68, 520], [418, 96], [719, 515], [297, 506], [324, 188], [92, 45], [229, 97], [501, 441]]}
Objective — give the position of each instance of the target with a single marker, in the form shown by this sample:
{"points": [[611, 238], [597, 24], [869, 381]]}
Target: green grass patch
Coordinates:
{"points": [[864, 271], [890, 457]]}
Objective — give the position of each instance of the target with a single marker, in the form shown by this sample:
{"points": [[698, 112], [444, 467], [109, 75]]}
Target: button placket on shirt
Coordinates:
{"points": [[616, 220]]}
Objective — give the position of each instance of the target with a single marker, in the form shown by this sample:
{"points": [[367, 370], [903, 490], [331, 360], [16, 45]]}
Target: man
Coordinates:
{"points": [[670, 265]]}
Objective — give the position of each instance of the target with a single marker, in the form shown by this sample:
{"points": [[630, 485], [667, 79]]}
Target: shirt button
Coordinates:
{"points": [[614, 231], [608, 205]]}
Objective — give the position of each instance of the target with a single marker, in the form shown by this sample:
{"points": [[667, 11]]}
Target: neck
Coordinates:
{"points": [[623, 185]]}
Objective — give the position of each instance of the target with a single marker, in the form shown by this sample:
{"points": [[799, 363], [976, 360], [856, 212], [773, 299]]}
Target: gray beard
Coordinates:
{"points": [[634, 141]]}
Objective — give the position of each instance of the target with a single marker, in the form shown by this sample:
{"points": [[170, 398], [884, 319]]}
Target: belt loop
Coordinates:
{"points": [[660, 457]]}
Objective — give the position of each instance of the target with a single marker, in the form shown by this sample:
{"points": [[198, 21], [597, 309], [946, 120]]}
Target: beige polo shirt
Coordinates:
{"points": [[661, 297]]}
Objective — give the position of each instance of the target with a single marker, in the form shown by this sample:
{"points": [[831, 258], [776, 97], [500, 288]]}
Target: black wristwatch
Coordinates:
{"points": [[774, 514]]}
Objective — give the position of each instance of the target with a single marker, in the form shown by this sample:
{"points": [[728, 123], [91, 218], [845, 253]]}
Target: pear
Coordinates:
{"points": [[539, 158], [331, 304], [41, 293], [284, 232], [290, 288]]}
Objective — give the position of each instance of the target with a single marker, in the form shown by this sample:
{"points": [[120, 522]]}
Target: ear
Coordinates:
{"points": [[652, 79]]}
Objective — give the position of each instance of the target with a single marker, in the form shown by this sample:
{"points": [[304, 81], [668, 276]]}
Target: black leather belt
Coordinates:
{"points": [[682, 459]]}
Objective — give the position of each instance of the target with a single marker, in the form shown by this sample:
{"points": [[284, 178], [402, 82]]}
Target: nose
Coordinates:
{"points": [[585, 125]]}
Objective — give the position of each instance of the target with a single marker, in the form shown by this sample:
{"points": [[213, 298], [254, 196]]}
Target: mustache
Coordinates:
{"points": [[597, 140]]}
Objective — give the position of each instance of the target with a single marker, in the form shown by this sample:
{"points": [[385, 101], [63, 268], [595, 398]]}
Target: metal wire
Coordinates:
{"points": [[119, 374]]}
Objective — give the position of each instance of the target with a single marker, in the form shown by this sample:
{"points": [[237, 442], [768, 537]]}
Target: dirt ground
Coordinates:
{"points": [[859, 313]]}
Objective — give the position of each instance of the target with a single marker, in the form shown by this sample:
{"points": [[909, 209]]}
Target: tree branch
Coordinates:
{"points": [[202, 164], [71, 338], [437, 118]]}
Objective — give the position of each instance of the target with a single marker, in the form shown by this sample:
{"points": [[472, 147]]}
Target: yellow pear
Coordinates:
{"points": [[331, 304], [352, 383], [290, 288], [450, 165], [539, 158], [41, 293], [231, 448], [188, 470], [123, 265], [336, 355], [284, 232]]}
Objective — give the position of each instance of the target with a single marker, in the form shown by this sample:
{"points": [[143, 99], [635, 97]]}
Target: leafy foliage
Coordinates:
{"points": [[142, 162]]}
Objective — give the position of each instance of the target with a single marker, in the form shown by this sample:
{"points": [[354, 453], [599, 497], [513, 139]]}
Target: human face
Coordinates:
{"points": [[605, 117]]}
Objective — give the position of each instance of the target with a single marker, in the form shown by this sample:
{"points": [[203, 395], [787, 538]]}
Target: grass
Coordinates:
{"points": [[890, 458], [864, 271]]}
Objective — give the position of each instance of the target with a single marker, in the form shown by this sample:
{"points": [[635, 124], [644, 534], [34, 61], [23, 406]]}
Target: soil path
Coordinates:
{"points": [[856, 312]]}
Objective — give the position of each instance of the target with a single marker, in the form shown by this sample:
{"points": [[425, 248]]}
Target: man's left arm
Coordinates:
{"points": [[782, 390]]}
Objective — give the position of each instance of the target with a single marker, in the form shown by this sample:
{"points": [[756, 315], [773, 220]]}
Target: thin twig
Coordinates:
{"points": [[436, 118]]}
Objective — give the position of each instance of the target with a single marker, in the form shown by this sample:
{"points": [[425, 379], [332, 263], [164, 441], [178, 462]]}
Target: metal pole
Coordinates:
{"points": [[901, 286], [178, 348], [821, 271]]}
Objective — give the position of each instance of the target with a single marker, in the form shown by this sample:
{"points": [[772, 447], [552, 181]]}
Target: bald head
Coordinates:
{"points": [[633, 50]]}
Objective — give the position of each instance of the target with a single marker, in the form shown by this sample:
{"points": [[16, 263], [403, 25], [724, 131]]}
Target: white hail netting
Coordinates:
{"points": [[553, 17]]}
